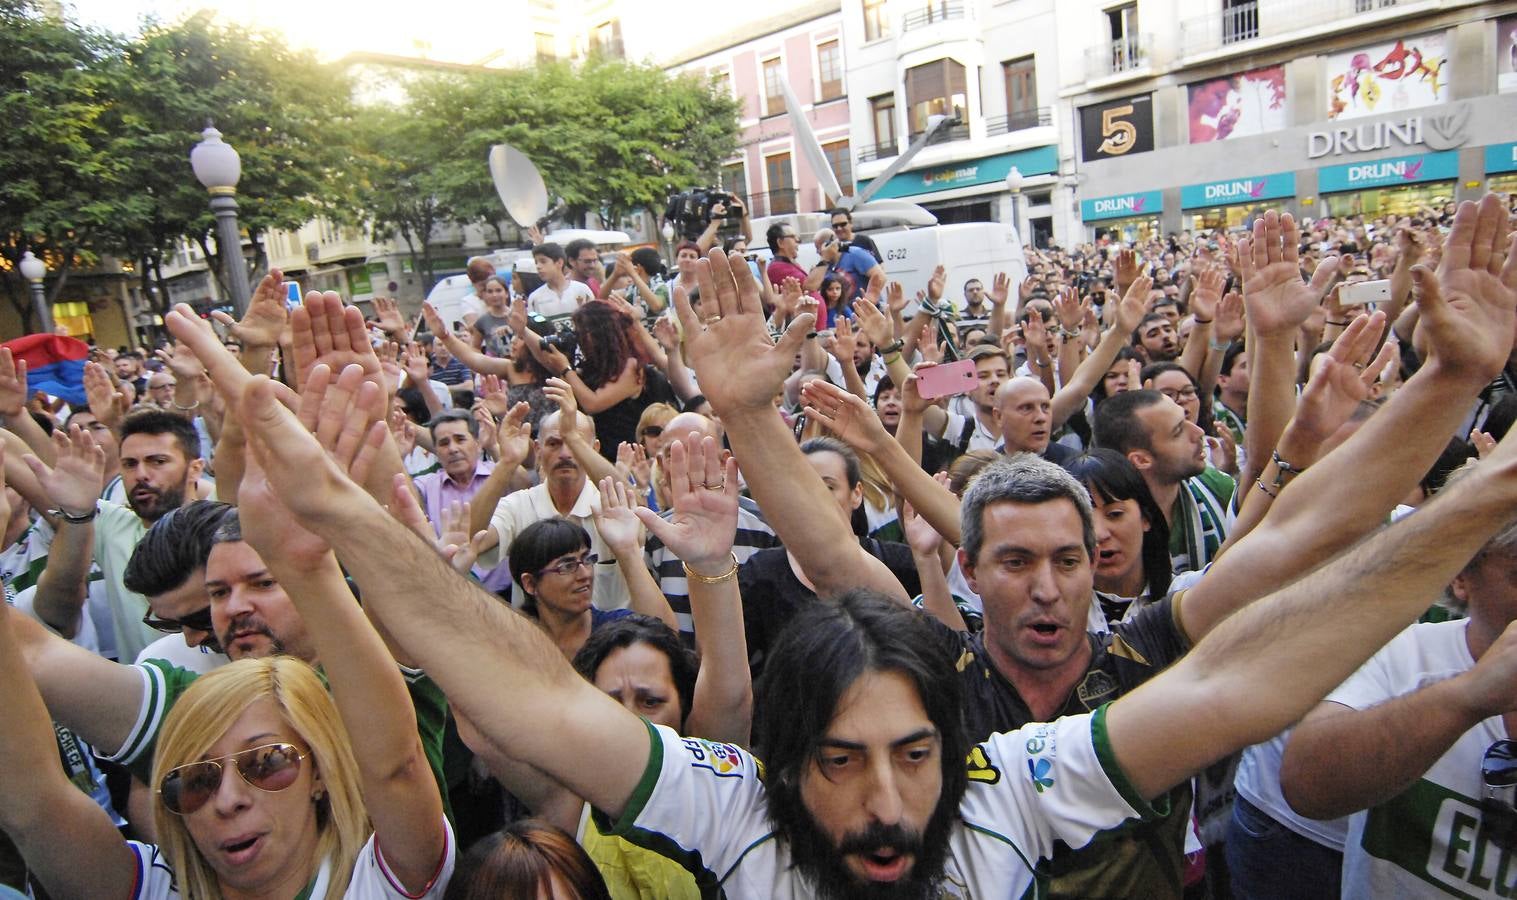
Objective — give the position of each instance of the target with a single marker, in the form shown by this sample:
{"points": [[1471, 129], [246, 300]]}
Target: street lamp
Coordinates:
{"points": [[1014, 185], [218, 167], [34, 270]]}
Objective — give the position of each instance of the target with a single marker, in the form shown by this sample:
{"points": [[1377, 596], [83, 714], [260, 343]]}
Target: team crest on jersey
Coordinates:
{"points": [[980, 767], [723, 760]]}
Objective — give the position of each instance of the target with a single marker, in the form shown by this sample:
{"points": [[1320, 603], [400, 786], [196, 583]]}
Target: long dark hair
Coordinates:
{"points": [[1111, 478], [605, 343], [641, 629], [539, 544], [813, 663]]}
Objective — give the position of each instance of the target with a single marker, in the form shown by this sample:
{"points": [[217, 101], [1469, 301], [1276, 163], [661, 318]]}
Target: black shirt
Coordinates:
{"points": [[866, 243]]}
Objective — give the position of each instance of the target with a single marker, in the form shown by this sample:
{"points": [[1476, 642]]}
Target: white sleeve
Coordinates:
{"points": [[1371, 684], [372, 879], [700, 803], [1050, 782]]}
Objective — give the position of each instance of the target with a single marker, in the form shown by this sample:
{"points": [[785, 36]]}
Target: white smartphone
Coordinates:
{"points": [[1365, 293]]}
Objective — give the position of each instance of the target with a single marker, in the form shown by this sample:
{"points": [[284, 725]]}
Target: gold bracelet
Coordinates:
{"points": [[711, 579]]}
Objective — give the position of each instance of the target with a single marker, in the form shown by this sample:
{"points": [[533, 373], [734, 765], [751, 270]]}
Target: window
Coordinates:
{"points": [[1123, 23], [721, 82], [774, 97], [606, 38], [1240, 20], [829, 69], [1021, 87], [882, 109], [546, 51], [841, 162], [933, 89], [876, 20], [735, 179], [781, 182]]}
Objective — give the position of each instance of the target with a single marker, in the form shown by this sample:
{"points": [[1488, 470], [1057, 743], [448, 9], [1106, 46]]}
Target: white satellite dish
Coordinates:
{"points": [[867, 213], [519, 185]]}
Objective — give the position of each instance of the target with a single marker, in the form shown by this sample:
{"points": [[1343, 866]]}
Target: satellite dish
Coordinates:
{"points": [[519, 185]]}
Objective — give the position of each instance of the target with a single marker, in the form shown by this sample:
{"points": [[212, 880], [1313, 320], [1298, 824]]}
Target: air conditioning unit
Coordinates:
{"points": [[313, 252]]}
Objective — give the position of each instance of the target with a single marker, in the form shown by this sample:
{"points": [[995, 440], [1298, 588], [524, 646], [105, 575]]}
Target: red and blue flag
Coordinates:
{"points": [[54, 364]]}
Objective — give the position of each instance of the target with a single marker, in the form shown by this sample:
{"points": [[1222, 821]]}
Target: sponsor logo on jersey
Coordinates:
{"points": [[723, 760], [1040, 745], [980, 767]]}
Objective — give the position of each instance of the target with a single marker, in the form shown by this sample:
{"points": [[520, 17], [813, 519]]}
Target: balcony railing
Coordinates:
{"points": [[946, 135], [878, 151], [1121, 55], [1026, 118], [940, 11], [1247, 21], [772, 203]]}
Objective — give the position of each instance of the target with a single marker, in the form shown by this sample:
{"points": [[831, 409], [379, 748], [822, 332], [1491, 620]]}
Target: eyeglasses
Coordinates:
{"points": [[1498, 769], [840, 225], [1181, 395], [570, 566], [196, 621], [653, 431], [270, 768]]}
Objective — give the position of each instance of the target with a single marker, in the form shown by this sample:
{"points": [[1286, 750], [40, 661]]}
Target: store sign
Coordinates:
{"points": [[1501, 158], [1122, 206], [1389, 172], [986, 170], [1117, 128], [1238, 190], [1436, 132]]}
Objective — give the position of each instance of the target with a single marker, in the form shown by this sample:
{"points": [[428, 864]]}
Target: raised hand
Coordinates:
{"points": [[269, 526], [841, 343], [1206, 293], [665, 333], [403, 432], [433, 320], [790, 295], [77, 475], [923, 539], [1000, 289], [1278, 301], [326, 331], [845, 415], [616, 519], [185, 365], [911, 395], [1347, 374], [13, 391], [486, 422], [513, 435], [225, 370], [895, 297], [1483, 443], [1229, 323], [936, 283], [1066, 306], [1134, 303], [873, 323], [1469, 311], [1125, 270], [738, 365], [560, 392], [108, 404], [703, 524], [265, 318], [1036, 335], [387, 316], [494, 395], [415, 364]]}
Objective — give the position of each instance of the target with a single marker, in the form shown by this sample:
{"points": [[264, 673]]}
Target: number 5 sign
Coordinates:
{"points": [[1117, 128]]}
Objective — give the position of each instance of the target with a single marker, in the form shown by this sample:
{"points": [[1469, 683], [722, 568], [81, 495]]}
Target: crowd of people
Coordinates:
{"points": [[699, 582]]}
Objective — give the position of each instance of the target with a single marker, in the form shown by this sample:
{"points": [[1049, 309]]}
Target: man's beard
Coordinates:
{"points": [[822, 863], [156, 505], [248, 623]]}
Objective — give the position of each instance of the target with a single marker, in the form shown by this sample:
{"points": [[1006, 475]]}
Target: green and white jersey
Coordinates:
{"points": [[163, 684], [371, 879], [1427, 841], [704, 804]]}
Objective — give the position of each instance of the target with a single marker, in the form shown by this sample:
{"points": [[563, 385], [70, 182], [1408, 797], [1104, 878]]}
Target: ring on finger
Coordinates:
{"points": [[719, 486]]}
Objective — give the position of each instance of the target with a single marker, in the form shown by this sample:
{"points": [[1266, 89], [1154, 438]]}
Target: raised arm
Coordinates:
{"points": [[1305, 639], [1205, 297], [498, 668], [513, 441], [1071, 397], [463, 350], [596, 467], [261, 326], [73, 483], [700, 532], [617, 523], [741, 370], [13, 397], [1468, 311]]}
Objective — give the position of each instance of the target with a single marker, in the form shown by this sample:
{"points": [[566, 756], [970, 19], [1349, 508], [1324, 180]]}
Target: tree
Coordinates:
{"points": [[398, 187]]}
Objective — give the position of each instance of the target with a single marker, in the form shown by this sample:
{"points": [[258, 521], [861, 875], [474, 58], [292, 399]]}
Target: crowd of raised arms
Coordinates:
{"points": [[1194, 581]]}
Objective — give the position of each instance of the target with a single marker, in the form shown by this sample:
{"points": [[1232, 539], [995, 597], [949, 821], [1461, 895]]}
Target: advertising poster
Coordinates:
{"points": [[1397, 75], [1239, 105], [1117, 128], [1506, 54]]}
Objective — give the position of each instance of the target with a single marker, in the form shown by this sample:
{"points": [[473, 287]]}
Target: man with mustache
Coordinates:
{"points": [[563, 490]]}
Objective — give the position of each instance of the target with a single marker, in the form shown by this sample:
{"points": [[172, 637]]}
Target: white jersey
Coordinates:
{"points": [[1428, 840], [705, 803], [554, 305], [371, 880]]}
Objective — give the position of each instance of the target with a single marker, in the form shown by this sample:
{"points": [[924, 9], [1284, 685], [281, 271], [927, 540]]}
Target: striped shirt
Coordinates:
{"points": [[753, 535]]}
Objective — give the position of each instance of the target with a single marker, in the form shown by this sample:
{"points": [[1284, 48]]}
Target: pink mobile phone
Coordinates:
{"points": [[947, 379]]}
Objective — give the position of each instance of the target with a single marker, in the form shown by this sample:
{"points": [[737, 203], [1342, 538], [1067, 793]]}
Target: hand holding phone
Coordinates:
{"points": [[947, 379]]}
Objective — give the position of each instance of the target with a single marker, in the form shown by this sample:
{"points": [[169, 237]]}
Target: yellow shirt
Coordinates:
{"points": [[632, 872]]}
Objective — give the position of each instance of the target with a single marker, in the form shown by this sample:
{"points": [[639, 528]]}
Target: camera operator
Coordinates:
{"points": [[719, 212], [842, 224], [618, 374], [863, 271]]}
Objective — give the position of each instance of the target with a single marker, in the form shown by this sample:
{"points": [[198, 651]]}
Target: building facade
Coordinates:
{"points": [[1197, 114], [803, 46]]}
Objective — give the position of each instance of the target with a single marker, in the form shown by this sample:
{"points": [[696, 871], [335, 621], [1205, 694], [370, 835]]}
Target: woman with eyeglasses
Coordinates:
{"points": [[266, 784], [551, 561]]}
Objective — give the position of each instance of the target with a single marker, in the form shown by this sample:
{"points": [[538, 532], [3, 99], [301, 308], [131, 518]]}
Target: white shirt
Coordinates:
{"points": [[516, 511], [550, 303]]}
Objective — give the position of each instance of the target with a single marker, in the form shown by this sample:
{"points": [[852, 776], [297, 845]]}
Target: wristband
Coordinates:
{"points": [[191, 408], [1203, 321], [77, 519], [894, 346], [1338, 324], [1218, 347], [1283, 469], [564, 374], [1259, 483], [711, 579]]}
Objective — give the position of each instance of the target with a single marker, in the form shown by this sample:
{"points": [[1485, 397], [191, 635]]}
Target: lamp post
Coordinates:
{"points": [[218, 167], [34, 270], [1014, 185], [668, 234]]}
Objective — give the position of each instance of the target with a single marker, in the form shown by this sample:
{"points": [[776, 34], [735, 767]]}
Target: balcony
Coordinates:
{"points": [[772, 203], [878, 151], [1125, 54], [941, 11], [946, 135], [1244, 22], [1027, 118]]}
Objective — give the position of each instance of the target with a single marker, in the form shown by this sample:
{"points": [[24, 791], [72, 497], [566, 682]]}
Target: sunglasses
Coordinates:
{"points": [[1498, 770], [270, 768], [197, 621], [570, 566], [653, 431]]}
